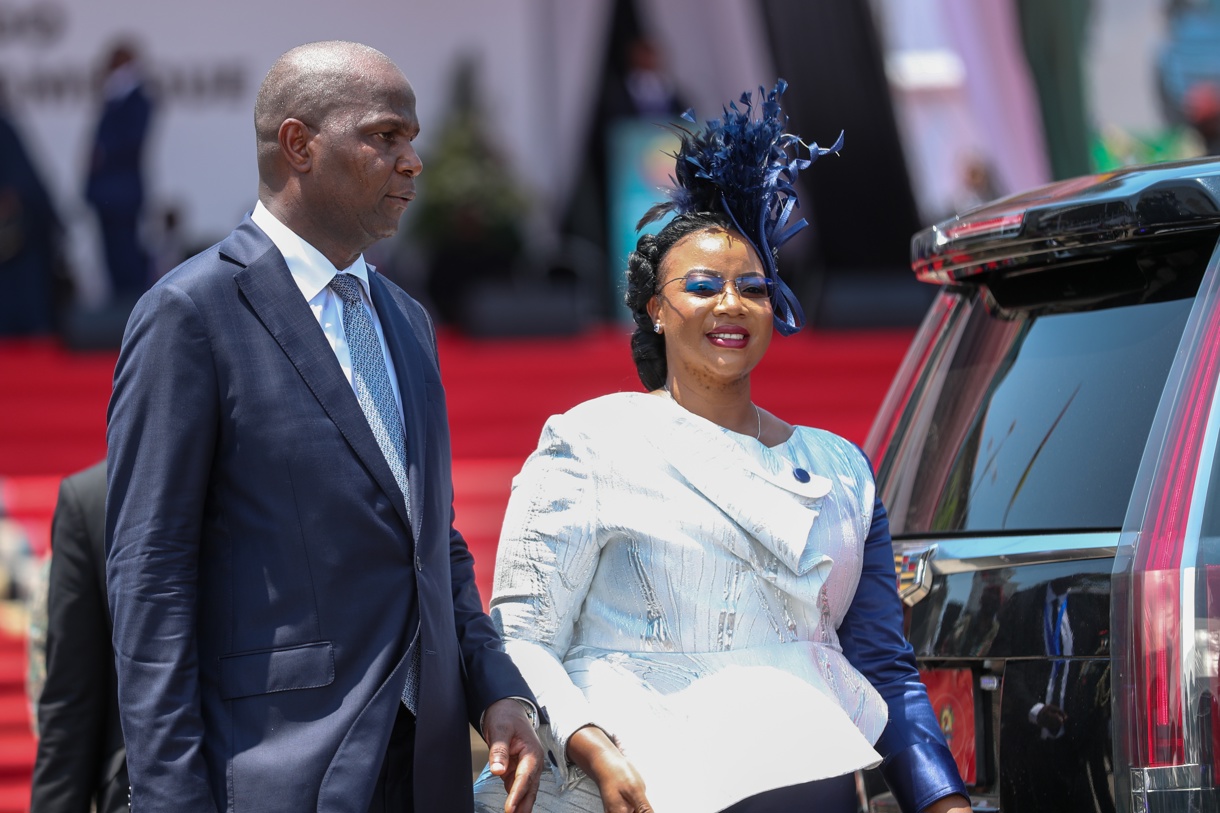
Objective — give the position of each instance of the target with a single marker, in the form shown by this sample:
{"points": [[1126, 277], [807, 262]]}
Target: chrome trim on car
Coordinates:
{"points": [[914, 573], [969, 554], [1168, 778]]}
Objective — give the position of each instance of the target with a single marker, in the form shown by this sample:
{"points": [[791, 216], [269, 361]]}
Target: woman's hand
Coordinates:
{"points": [[949, 804], [618, 782]]}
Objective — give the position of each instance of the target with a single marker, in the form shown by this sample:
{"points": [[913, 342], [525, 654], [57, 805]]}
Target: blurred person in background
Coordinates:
{"points": [[81, 763], [115, 183], [29, 240], [1188, 69], [1201, 109], [636, 90], [643, 89], [977, 184]]}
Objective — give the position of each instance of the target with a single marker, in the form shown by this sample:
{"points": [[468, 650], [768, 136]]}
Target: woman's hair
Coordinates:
{"points": [[643, 276]]}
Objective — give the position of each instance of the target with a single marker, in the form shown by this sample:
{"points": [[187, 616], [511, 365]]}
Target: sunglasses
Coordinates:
{"points": [[705, 286]]}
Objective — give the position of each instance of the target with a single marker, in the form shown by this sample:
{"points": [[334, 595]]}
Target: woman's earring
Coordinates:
{"points": [[656, 328]]}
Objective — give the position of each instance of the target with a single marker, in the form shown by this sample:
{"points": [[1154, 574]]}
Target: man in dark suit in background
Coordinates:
{"points": [[81, 761], [115, 185], [296, 622], [1055, 703], [31, 273]]}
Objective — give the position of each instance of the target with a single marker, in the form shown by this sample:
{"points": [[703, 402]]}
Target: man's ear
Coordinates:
{"points": [[295, 136]]}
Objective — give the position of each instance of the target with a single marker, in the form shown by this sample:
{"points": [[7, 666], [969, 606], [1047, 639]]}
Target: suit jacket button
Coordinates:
{"points": [[419, 563]]}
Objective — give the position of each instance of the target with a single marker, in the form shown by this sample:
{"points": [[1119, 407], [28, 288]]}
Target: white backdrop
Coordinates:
{"points": [[540, 61], [211, 57]]}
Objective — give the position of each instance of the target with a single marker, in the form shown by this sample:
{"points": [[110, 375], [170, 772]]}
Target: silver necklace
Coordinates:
{"points": [[757, 412]]}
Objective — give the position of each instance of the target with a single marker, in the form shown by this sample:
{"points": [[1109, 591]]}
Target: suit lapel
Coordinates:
{"points": [[267, 284], [407, 356]]}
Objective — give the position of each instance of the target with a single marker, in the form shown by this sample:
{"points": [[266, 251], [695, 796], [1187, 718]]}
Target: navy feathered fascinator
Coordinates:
{"points": [[745, 166]]}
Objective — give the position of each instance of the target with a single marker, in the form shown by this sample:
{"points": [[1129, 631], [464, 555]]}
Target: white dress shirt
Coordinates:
{"points": [[312, 273]]}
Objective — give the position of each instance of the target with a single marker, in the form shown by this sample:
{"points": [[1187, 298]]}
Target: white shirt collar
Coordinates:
{"points": [[309, 267]]}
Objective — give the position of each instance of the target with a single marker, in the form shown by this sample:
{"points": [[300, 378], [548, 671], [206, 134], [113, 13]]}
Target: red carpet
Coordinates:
{"points": [[52, 422]]}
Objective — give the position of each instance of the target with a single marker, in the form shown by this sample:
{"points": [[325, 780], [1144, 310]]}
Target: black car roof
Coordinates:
{"points": [[1071, 219]]}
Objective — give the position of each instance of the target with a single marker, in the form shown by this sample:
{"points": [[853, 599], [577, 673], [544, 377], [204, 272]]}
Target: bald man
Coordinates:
{"points": [[296, 623]]}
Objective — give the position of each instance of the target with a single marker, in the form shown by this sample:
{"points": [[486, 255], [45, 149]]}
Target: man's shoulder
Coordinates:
{"points": [[194, 268], [88, 481], [219, 261]]}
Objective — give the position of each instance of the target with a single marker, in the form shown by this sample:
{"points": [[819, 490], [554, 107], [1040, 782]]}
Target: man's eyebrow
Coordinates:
{"points": [[394, 121]]}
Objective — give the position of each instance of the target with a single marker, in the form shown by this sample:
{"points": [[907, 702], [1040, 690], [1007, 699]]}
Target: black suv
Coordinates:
{"points": [[1048, 455]]}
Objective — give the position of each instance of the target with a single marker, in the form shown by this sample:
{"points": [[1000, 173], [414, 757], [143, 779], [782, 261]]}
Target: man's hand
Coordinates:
{"points": [[516, 754], [1052, 718]]}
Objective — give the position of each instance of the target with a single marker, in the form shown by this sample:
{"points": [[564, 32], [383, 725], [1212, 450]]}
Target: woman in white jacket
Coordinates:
{"points": [[700, 594]]}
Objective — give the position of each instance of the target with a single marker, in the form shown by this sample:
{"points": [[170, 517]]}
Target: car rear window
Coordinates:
{"points": [[1031, 422]]}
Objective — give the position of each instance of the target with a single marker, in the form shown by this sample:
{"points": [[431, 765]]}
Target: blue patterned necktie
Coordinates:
{"points": [[371, 382], [370, 379]]}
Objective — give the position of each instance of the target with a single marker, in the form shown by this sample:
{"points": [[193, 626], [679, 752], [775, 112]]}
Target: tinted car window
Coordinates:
{"points": [[1033, 422]]}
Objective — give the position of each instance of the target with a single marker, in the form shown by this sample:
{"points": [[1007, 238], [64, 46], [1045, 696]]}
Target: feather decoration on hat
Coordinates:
{"points": [[746, 167]]}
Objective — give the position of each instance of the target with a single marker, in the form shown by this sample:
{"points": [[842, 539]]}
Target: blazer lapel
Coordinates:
{"points": [[407, 356], [265, 281]]}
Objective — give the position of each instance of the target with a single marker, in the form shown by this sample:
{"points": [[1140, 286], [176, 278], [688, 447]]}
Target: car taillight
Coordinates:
{"points": [[1166, 595], [995, 226], [1158, 726], [1158, 559]]}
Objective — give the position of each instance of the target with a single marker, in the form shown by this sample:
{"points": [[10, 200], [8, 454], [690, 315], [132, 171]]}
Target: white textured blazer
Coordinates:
{"points": [[679, 585]]}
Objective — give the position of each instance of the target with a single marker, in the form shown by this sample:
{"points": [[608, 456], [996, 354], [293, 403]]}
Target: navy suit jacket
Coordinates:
{"points": [[265, 573]]}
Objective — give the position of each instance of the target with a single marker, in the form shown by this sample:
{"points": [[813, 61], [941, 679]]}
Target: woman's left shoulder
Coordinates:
{"points": [[815, 437], [828, 448]]}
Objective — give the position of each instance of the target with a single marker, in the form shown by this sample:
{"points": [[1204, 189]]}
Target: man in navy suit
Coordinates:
{"points": [[283, 579], [115, 185]]}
